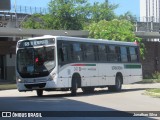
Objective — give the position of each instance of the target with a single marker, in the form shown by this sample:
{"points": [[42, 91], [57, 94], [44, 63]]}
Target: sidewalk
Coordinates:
{"points": [[143, 85]]}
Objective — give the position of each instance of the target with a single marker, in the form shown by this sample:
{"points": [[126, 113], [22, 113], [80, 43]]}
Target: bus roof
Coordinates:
{"points": [[88, 40]]}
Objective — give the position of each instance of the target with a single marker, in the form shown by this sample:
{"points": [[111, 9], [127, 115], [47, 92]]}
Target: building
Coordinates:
{"points": [[149, 10], [148, 28]]}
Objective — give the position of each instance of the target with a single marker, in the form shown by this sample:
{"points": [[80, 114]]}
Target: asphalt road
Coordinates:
{"points": [[131, 98]]}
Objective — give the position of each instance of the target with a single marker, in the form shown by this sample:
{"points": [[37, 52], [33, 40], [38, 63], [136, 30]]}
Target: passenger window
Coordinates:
{"points": [[102, 53], [64, 53], [112, 54], [77, 51], [133, 54], [89, 53], [124, 57]]}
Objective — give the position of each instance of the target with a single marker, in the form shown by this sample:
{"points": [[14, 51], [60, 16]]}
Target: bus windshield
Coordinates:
{"points": [[35, 62]]}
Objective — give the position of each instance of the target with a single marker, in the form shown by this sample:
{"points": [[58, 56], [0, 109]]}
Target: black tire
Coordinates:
{"points": [[39, 93], [118, 86], [88, 89], [74, 87]]}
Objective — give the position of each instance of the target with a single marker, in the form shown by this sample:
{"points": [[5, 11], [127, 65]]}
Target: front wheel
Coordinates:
{"points": [[39, 93], [118, 86]]}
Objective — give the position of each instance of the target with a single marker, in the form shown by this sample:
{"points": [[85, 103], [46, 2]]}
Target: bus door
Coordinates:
{"points": [[63, 60]]}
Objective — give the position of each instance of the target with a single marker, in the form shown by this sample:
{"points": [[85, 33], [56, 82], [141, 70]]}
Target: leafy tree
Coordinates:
{"points": [[63, 15], [74, 14], [71, 15], [38, 21], [103, 11], [128, 16], [112, 30], [121, 30]]}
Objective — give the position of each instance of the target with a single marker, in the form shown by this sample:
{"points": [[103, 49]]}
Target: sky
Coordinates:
{"points": [[124, 5]]}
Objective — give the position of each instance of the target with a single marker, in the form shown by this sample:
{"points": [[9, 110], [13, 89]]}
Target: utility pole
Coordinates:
{"points": [[15, 8]]}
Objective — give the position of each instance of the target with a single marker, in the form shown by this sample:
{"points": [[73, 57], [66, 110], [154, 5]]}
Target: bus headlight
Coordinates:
{"points": [[19, 80]]}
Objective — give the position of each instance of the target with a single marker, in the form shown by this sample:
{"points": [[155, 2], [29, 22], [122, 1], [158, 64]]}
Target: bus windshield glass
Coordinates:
{"points": [[35, 62]]}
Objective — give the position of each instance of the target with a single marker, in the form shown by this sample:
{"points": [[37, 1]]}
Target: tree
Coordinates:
{"points": [[38, 21], [120, 30], [103, 11], [76, 13], [68, 14], [71, 15], [63, 15], [128, 16], [112, 30]]}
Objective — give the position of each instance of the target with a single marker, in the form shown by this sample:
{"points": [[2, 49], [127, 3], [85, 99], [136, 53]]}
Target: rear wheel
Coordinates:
{"points": [[39, 93], [118, 85]]}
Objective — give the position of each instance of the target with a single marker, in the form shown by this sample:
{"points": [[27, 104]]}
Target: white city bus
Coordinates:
{"points": [[51, 63]]}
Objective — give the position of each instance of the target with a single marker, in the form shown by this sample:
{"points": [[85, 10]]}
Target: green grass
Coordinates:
{"points": [[7, 86], [153, 92]]}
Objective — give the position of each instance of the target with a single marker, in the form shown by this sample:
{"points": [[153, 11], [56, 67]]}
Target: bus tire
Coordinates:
{"points": [[118, 86], [74, 87], [39, 93], [76, 83]]}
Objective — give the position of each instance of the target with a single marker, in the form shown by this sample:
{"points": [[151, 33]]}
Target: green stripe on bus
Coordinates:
{"points": [[84, 65], [90, 64], [132, 66]]}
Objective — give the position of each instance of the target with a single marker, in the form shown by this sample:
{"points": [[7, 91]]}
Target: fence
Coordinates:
{"points": [[28, 10]]}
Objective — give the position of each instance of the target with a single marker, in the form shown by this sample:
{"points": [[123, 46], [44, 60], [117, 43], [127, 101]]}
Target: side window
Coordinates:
{"points": [[133, 54], [89, 52], [77, 52], [124, 57], [113, 53], [102, 52], [63, 52]]}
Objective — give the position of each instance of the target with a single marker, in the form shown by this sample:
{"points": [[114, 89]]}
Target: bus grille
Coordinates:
{"points": [[40, 85]]}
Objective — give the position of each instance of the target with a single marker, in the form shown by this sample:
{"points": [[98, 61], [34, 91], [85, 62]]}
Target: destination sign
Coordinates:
{"points": [[42, 42]]}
